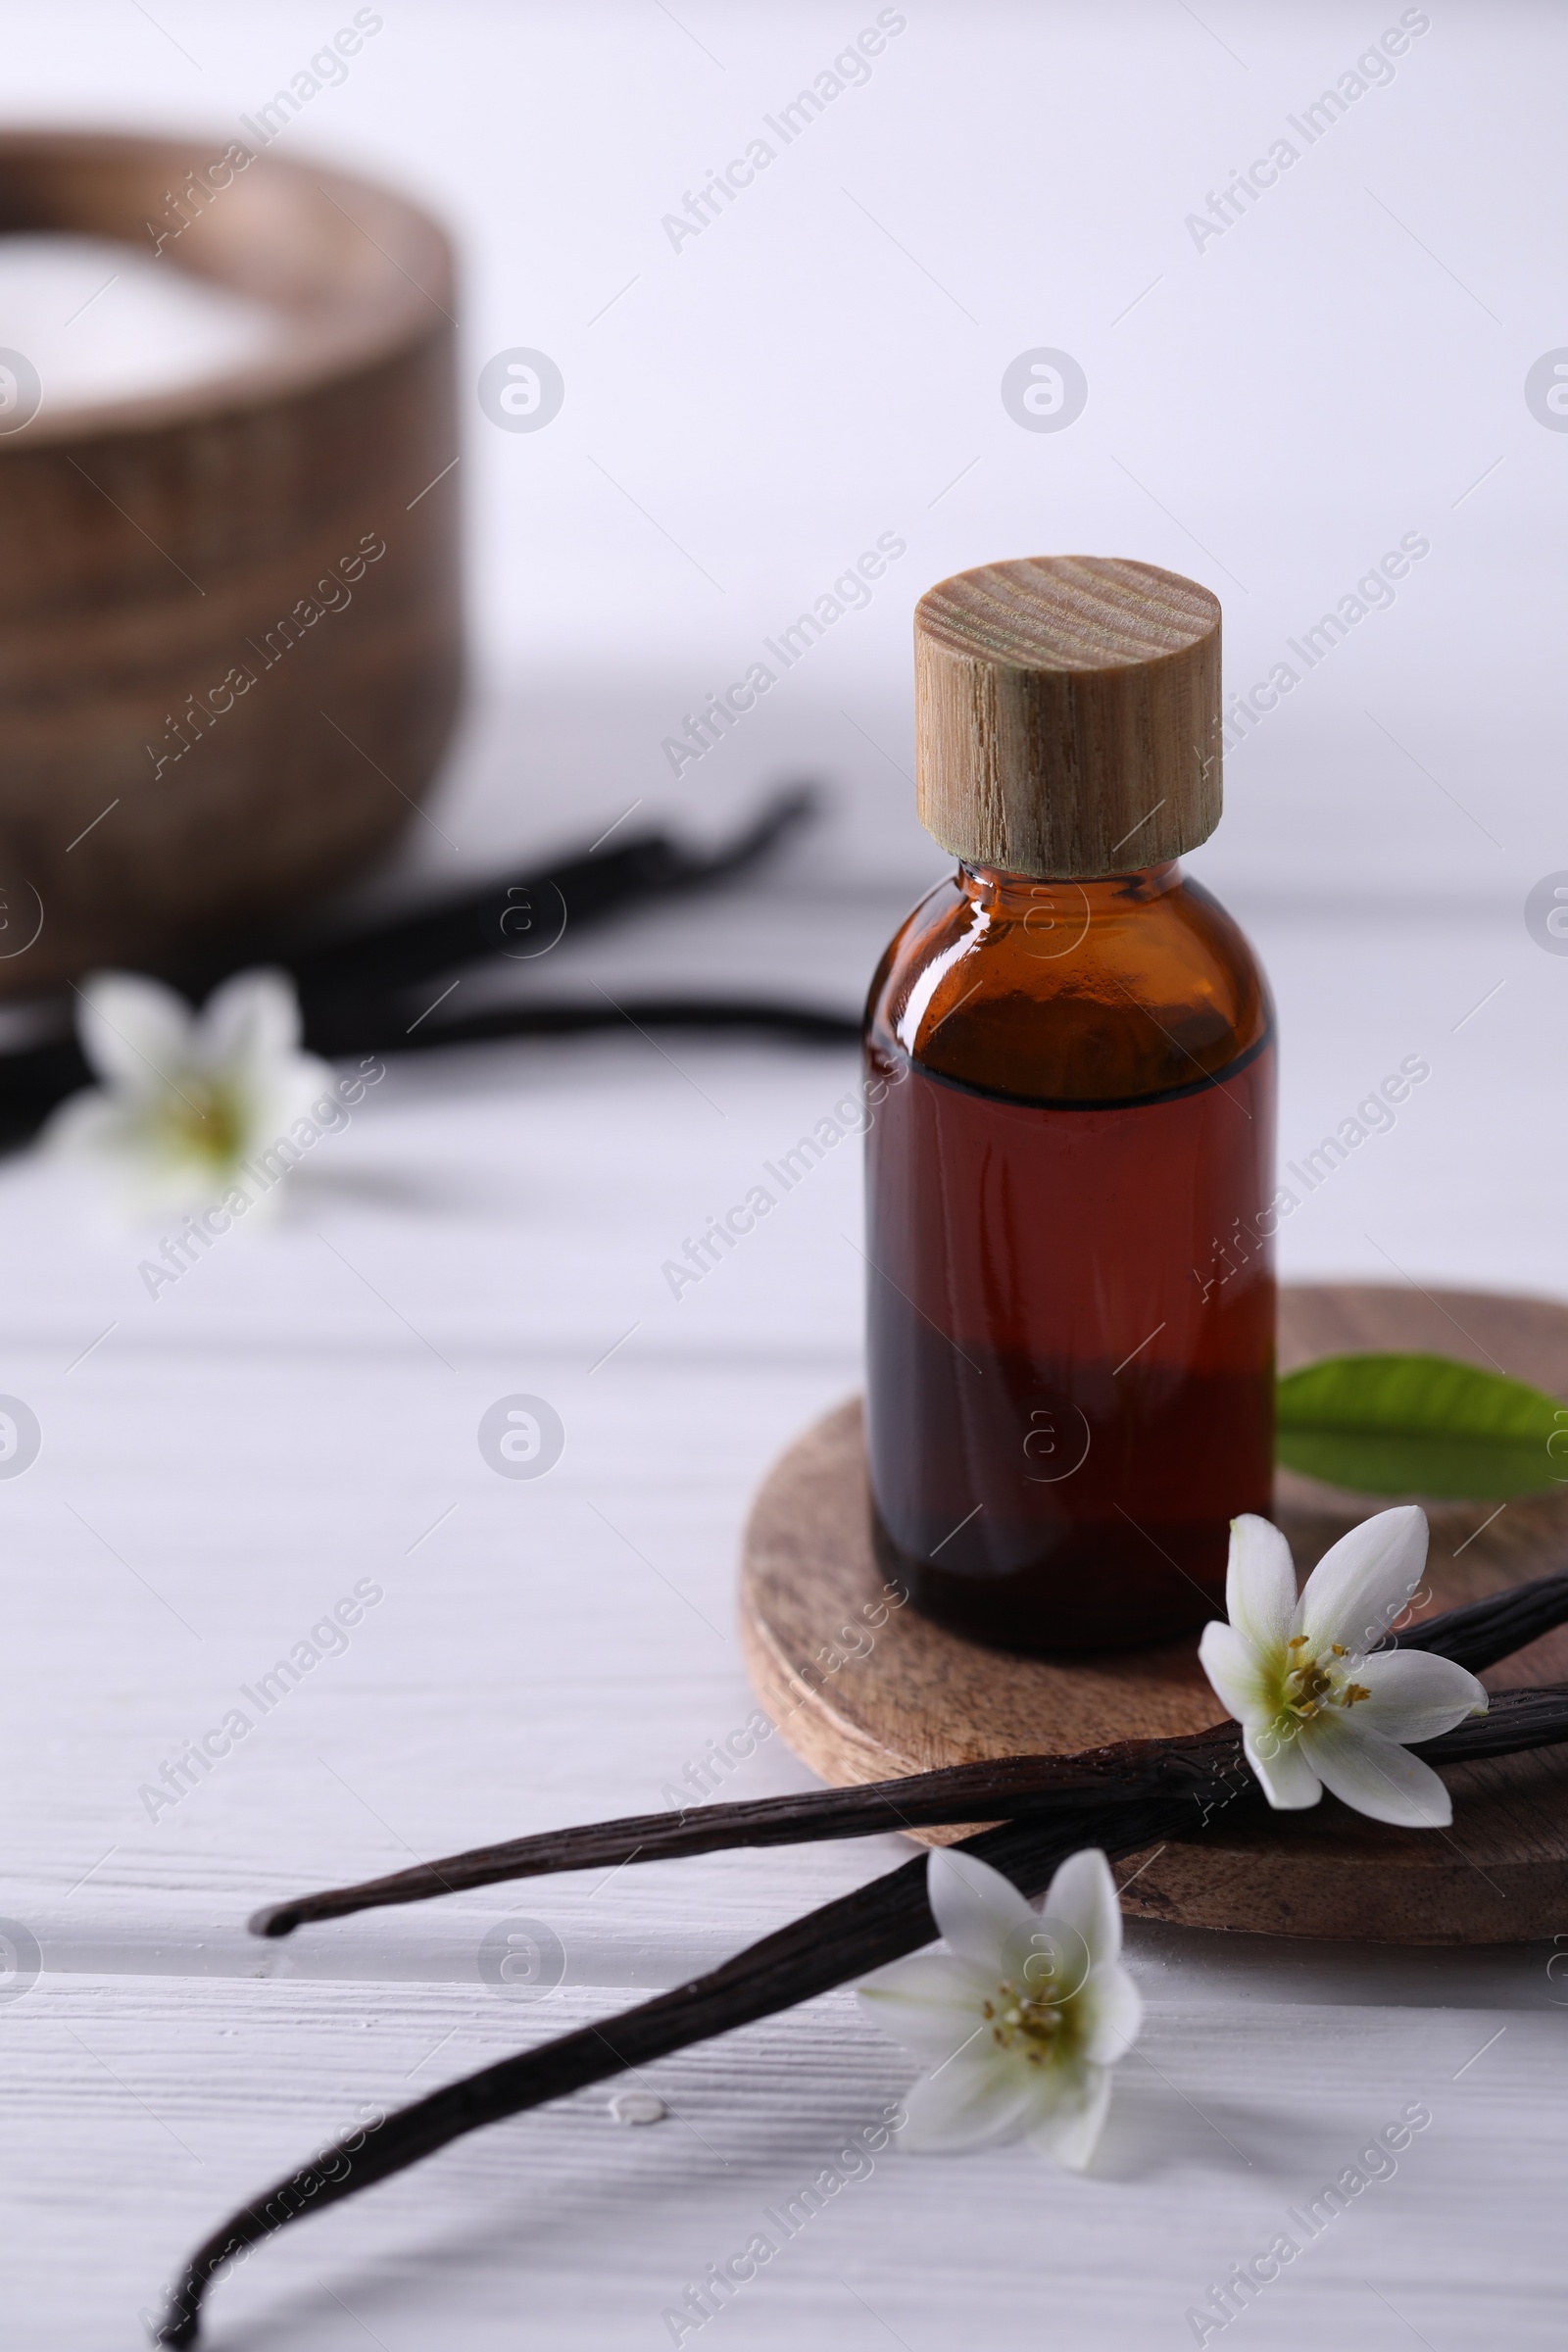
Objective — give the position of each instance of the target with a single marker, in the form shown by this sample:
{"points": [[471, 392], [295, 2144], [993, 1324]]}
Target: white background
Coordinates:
{"points": [[1346, 364]]}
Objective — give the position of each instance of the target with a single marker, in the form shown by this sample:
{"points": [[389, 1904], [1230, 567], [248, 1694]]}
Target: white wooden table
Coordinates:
{"points": [[299, 1413]]}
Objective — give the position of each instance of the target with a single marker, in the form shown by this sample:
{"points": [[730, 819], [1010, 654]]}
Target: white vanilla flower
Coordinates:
{"points": [[1022, 2018], [186, 1097], [1316, 1711]]}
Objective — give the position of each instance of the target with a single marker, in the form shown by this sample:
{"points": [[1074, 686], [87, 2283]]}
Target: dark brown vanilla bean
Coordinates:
{"points": [[1008, 1787], [846, 1939], [382, 1029], [1481, 1632], [843, 1939], [1014, 1787], [359, 994], [1515, 1721]]}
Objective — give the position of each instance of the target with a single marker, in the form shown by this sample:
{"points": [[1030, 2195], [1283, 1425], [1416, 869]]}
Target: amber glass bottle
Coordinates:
{"points": [[1070, 1156]]}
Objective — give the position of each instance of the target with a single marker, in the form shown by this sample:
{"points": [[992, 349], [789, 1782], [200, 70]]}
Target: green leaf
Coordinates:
{"points": [[1420, 1425]]}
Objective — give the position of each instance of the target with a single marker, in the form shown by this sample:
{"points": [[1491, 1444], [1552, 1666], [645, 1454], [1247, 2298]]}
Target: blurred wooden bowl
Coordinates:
{"points": [[194, 634]]}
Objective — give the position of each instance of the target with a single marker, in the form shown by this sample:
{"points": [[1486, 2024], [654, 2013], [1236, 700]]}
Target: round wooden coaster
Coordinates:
{"points": [[867, 1692]]}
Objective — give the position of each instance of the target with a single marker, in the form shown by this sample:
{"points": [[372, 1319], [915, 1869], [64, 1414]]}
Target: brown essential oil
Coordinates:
{"points": [[1070, 1156]]}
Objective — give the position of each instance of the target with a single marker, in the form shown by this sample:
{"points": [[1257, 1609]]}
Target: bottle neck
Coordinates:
{"points": [[1040, 901]]}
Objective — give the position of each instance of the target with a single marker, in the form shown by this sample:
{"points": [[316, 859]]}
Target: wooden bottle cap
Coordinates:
{"points": [[1067, 714]]}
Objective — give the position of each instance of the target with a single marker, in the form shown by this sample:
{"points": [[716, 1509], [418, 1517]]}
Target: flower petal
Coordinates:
{"points": [[982, 1916], [1080, 1919], [135, 1032], [974, 2103], [91, 1124], [1259, 1583], [1288, 1777], [1237, 1673], [270, 1102], [1415, 1695], [930, 2003], [1373, 1775], [251, 1023], [1115, 2014], [1070, 2130], [933, 1978], [1362, 1582]]}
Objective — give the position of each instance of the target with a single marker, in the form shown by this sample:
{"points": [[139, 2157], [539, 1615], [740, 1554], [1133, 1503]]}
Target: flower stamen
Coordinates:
{"points": [[1037, 2018]]}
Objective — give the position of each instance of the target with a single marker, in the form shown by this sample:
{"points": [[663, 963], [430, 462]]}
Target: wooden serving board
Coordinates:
{"points": [[918, 1695]]}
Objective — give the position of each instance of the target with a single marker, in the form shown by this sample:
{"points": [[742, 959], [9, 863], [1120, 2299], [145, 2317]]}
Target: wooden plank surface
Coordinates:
{"points": [[232, 1458]]}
